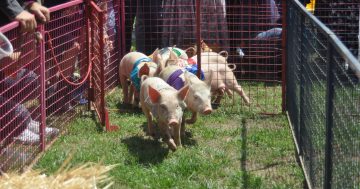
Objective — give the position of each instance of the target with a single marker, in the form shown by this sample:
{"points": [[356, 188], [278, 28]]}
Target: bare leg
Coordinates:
{"points": [[193, 118], [131, 94], [220, 94], [125, 86], [238, 89], [136, 99], [229, 92], [182, 132], [233, 85], [177, 138], [148, 116], [165, 131]]}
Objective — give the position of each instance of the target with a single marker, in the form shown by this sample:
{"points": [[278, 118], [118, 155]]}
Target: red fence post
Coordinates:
{"points": [[43, 88], [89, 50], [198, 37], [102, 71]]}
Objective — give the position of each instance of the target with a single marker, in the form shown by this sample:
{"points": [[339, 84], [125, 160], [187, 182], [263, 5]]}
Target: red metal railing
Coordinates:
{"points": [[104, 62], [20, 99], [66, 60]]}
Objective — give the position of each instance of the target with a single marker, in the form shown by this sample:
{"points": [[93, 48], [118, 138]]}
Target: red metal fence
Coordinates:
{"points": [[105, 58], [20, 99], [250, 31], [66, 62]]}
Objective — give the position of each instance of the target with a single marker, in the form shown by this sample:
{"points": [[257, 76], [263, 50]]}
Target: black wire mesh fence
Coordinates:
{"points": [[342, 17], [323, 101]]}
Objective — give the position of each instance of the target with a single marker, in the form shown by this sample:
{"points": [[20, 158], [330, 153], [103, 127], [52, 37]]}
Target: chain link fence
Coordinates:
{"points": [[323, 101]]}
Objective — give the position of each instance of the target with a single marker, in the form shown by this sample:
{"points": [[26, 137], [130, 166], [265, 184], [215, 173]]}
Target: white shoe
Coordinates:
{"points": [[28, 137], [34, 126]]}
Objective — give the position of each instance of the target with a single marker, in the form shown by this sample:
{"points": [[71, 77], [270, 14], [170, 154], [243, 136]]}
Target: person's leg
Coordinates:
{"points": [[14, 120], [148, 32], [23, 86], [130, 12], [178, 24]]}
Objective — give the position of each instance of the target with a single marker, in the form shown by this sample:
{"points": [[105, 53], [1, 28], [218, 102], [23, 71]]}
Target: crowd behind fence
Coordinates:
{"points": [[323, 101], [45, 81]]}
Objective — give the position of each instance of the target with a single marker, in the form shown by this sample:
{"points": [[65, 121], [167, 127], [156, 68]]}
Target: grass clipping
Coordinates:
{"points": [[89, 175]]}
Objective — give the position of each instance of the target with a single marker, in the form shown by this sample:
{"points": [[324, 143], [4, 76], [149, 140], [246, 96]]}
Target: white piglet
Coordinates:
{"points": [[160, 100]]}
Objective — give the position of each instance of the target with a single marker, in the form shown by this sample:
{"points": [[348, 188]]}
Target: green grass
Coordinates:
{"points": [[231, 148]]}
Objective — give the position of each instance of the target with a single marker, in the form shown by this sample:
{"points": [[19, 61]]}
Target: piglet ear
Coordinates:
{"points": [[156, 56], [183, 92], [173, 56], [144, 70], [154, 95]]}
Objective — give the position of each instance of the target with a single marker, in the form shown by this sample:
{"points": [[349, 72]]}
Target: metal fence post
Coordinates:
{"points": [[284, 54], [198, 36], [302, 77], [89, 50], [102, 66], [43, 89], [329, 118]]}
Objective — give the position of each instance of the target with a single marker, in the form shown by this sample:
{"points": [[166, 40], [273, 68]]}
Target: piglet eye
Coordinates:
{"points": [[163, 106]]}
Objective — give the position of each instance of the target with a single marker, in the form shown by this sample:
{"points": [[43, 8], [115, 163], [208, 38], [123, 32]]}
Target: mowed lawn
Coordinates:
{"points": [[231, 148]]}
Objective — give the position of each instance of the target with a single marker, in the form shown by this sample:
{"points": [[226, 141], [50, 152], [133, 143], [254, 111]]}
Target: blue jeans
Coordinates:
{"points": [[14, 118], [25, 81]]}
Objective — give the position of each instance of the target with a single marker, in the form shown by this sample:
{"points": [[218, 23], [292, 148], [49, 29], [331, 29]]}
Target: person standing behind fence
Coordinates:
{"points": [[18, 87], [147, 24], [15, 10], [179, 23], [246, 19]]}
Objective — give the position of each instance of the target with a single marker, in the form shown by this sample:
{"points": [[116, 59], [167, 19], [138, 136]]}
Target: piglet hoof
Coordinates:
{"points": [[247, 100], [171, 144], [190, 121]]}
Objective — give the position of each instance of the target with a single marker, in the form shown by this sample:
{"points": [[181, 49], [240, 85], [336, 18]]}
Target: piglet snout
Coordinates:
{"points": [[173, 122], [207, 111]]}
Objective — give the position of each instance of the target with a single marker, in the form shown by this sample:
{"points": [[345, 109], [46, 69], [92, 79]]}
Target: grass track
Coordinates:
{"points": [[232, 148]]}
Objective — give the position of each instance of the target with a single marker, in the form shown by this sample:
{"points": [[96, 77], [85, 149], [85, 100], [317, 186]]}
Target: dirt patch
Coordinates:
{"points": [[229, 125], [264, 122]]}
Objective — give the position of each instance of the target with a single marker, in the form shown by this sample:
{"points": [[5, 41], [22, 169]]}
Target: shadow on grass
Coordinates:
{"points": [[99, 126], [127, 108], [185, 141], [188, 139], [146, 150], [243, 158]]}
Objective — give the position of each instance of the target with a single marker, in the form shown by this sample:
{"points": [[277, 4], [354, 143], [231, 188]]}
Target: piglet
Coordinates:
{"points": [[198, 99], [160, 100], [132, 66], [223, 79]]}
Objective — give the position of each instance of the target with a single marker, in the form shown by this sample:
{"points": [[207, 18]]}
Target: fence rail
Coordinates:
{"points": [[323, 101]]}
